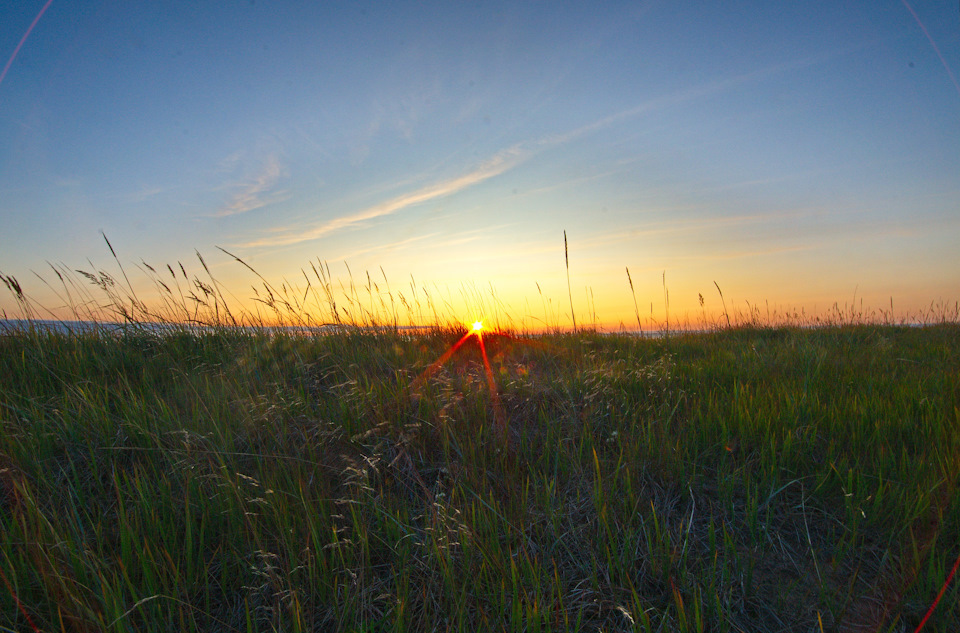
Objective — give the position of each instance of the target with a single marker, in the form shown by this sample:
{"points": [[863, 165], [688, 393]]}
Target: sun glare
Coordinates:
{"points": [[477, 326]]}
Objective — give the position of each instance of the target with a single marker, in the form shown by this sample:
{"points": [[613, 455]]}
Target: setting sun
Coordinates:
{"points": [[477, 326]]}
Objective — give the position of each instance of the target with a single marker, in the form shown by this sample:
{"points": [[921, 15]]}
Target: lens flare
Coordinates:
{"points": [[936, 49], [24, 39], [475, 332]]}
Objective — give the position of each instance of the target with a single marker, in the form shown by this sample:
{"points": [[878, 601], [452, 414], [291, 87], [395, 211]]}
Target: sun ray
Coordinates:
{"points": [[498, 412], [478, 330], [437, 364]]}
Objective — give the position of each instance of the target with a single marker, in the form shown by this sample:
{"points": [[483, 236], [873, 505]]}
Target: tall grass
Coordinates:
{"points": [[183, 300], [758, 480], [633, 295], [566, 260], [230, 478]]}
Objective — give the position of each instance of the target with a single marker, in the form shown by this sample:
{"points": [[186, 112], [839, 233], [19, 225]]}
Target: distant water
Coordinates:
{"points": [[87, 327], [60, 327]]}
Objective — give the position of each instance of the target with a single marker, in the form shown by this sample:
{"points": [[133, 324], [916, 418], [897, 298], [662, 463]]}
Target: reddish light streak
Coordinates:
{"points": [[24, 39], [16, 601], [933, 44], [437, 364], [500, 415], [943, 590], [501, 418], [492, 386]]}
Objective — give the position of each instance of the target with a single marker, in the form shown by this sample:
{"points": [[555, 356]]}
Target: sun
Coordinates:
{"points": [[477, 326]]}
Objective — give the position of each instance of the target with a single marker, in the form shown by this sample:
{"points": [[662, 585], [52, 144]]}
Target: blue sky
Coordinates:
{"points": [[797, 153]]}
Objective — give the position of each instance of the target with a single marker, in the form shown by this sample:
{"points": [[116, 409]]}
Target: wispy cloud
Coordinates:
{"points": [[500, 163], [692, 93], [384, 248], [143, 194], [438, 240], [573, 182], [256, 193], [503, 161]]}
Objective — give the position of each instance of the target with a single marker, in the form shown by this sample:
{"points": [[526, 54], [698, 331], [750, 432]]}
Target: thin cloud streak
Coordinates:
{"points": [[252, 196], [441, 241], [575, 181], [137, 197], [500, 163], [520, 152], [690, 94], [659, 229], [686, 226], [729, 256], [388, 247]]}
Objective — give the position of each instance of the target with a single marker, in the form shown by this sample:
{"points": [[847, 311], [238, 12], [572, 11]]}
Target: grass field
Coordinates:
{"points": [[745, 479]]}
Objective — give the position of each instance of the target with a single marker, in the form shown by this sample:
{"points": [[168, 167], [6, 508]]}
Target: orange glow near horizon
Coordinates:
{"points": [[175, 294]]}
